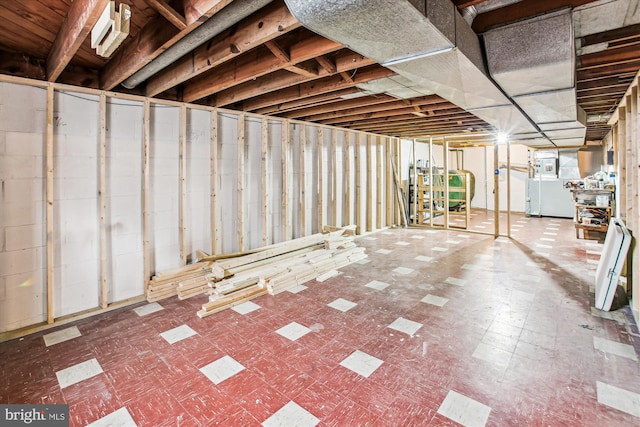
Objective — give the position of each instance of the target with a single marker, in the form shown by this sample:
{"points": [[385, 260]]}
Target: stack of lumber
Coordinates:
{"points": [[165, 284], [279, 267]]}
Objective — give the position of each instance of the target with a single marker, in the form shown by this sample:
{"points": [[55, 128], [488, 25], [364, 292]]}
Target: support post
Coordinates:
{"points": [[378, 182], [508, 187], [334, 181], [445, 178], [215, 235], [347, 179], [286, 214], [496, 192], [388, 182], [240, 200], [266, 196], [414, 182], [182, 197], [49, 211], [303, 181], [102, 188], [320, 163], [358, 206], [368, 185], [146, 181]]}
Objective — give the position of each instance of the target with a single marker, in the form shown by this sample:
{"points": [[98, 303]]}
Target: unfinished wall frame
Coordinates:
{"points": [[348, 179]]}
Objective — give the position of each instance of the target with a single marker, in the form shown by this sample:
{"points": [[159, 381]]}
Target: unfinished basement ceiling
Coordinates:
{"points": [[257, 57]]}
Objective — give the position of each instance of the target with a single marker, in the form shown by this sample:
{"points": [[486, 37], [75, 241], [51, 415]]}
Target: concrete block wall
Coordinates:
{"points": [[124, 199], [76, 238], [22, 235]]}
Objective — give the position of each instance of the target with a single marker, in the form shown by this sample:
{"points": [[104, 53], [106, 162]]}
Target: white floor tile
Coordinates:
{"points": [[342, 304], [593, 261], [491, 354], [383, 251], [403, 243], [455, 281], [221, 369], [361, 363], [387, 233], [548, 233], [618, 398], [480, 226], [297, 289], [370, 238], [547, 239], [291, 415], [407, 326], [417, 236], [484, 256], [593, 252], [178, 334], [61, 336], [517, 225], [376, 284], [435, 300], [496, 248], [540, 245], [552, 229], [453, 242], [119, 418], [542, 254], [363, 261], [464, 410], [614, 347], [293, 331], [80, 372], [529, 278], [148, 309], [246, 307], [423, 258], [403, 270], [439, 249]]}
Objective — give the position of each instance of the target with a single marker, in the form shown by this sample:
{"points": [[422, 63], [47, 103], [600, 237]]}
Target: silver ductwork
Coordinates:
{"points": [[427, 42], [534, 63], [430, 43], [228, 16]]}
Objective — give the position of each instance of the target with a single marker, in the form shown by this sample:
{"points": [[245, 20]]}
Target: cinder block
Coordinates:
{"points": [[17, 167], [25, 144], [125, 244], [76, 188], [124, 186], [20, 261], [3, 289], [18, 213], [125, 166], [2, 142], [77, 216], [24, 237], [22, 190], [75, 167], [81, 272], [128, 276], [125, 145]]}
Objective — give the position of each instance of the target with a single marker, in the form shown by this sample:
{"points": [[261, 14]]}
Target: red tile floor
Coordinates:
{"points": [[484, 331]]}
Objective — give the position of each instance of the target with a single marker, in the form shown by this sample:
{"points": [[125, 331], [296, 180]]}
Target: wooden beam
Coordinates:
{"points": [[388, 182], [215, 235], [303, 180], [334, 180], [302, 70], [50, 218], [102, 202], [182, 196], [346, 77], [286, 214], [321, 99], [368, 184], [153, 39], [328, 65], [347, 178], [248, 34], [241, 178], [278, 51], [77, 24], [146, 181], [266, 193], [357, 156], [320, 165], [342, 105], [169, 13], [316, 87], [252, 67]]}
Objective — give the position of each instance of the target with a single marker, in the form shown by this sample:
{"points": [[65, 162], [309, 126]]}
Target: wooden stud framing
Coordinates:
{"points": [[146, 180], [369, 185], [358, 206], [347, 179], [286, 214], [508, 187], [496, 192], [303, 181], [445, 178], [334, 181], [182, 197], [414, 182], [389, 182], [215, 243], [622, 163], [321, 164], [241, 161], [49, 209], [378, 183], [266, 196], [102, 203], [431, 195], [399, 217]]}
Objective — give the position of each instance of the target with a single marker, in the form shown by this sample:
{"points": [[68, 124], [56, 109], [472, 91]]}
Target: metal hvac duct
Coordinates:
{"points": [[229, 15], [426, 41], [534, 63]]}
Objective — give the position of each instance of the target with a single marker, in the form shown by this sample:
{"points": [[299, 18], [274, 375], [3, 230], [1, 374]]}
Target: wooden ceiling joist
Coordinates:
{"points": [[248, 34], [77, 24], [169, 13], [153, 39], [317, 100]]}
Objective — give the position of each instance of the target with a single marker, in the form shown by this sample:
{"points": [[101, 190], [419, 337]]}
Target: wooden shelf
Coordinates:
{"points": [[604, 212]]}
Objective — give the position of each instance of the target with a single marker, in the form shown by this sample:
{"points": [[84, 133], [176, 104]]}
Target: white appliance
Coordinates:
{"points": [[614, 253]]}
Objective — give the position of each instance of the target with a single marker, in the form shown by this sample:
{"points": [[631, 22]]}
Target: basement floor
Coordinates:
{"points": [[435, 328]]}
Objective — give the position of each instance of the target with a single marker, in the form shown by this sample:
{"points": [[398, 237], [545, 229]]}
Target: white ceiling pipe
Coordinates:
{"points": [[228, 16]]}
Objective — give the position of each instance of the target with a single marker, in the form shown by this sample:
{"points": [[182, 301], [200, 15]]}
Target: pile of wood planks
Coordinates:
{"points": [[232, 279]]}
